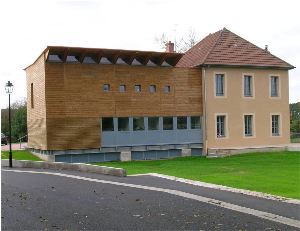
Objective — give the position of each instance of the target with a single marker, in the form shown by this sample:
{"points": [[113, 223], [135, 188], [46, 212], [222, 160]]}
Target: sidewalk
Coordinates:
{"points": [[14, 146]]}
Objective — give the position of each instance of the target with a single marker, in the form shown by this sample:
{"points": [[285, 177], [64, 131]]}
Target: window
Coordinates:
{"points": [[122, 88], [248, 125], [220, 86], [167, 123], [153, 123], [138, 124], [107, 124], [182, 122], [275, 125], [152, 88], [123, 124], [167, 89], [137, 88], [31, 94], [195, 122], [106, 87], [274, 86], [248, 86], [221, 126]]}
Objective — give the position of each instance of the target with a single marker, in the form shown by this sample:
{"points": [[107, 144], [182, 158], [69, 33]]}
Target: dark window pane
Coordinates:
{"points": [[106, 87], [247, 85], [122, 88], [275, 125], [274, 86], [220, 126], [137, 88], [248, 125], [138, 124], [152, 88], [153, 123], [167, 89], [107, 124], [195, 122], [219, 85], [123, 124], [182, 122], [168, 123]]}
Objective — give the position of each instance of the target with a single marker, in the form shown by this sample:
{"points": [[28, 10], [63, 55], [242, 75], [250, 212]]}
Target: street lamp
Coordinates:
{"points": [[9, 87]]}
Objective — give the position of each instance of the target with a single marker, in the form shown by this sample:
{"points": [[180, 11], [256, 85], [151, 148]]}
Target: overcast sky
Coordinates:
{"points": [[28, 26]]}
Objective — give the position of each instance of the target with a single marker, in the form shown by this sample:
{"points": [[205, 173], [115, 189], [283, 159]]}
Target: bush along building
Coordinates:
{"points": [[223, 96]]}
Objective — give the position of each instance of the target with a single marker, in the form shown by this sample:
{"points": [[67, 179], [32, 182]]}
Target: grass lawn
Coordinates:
{"points": [[276, 173], [19, 155]]}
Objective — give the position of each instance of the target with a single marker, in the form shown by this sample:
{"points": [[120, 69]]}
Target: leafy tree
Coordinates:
{"points": [[295, 117]]}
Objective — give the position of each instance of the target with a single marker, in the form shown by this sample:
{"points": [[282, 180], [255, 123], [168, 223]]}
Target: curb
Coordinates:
{"points": [[120, 172], [224, 188]]}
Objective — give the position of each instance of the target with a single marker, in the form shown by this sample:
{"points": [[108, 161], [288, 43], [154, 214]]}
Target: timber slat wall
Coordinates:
{"points": [[75, 100], [36, 116]]}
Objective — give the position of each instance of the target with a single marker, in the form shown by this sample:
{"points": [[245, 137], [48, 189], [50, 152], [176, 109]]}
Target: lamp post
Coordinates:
{"points": [[9, 87]]}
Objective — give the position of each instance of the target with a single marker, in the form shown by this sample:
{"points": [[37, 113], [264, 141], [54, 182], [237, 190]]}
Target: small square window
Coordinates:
{"points": [[106, 87], [122, 88], [152, 88], [137, 88], [167, 89], [107, 124], [153, 123]]}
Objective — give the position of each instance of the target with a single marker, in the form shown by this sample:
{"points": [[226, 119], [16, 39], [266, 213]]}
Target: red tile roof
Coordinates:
{"points": [[228, 49]]}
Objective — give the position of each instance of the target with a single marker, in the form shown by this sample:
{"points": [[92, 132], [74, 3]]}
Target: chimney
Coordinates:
{"points": [[170, 47], [266, 48]]}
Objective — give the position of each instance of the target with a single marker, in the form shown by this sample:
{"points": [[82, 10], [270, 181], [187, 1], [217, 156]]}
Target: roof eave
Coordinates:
{"points": [[247, 66]]}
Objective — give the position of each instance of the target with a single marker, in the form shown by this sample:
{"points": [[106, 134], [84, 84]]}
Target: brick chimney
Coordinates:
{"points": [[170, 47]]}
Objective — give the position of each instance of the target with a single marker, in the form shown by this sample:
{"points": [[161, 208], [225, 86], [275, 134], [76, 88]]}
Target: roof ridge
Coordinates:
{"points": [[208, 52]]}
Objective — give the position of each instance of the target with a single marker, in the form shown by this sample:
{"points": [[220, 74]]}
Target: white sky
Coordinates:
{"points": [[28, 26]]}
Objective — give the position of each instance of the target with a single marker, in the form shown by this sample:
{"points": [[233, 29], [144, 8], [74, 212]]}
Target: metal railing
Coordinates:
{"points": [[21, 139]]}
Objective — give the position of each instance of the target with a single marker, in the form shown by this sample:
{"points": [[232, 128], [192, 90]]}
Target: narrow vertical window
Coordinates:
{"points": [[274, 86], [221, 126], [31, 95], [220, 86], [195, 122], [167, 123], [181, 122], [153, 123], [275, 125], [248, 123], [248, 86]]}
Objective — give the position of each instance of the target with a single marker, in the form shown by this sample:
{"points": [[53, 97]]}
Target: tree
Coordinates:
{"points": [[182, 44]]}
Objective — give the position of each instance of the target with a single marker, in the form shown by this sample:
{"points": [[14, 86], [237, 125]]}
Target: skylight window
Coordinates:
{"points": [[72, 59], [54, 58]]}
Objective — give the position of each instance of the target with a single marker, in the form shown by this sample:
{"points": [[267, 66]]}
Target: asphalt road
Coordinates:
{"points": [[36, 201]]}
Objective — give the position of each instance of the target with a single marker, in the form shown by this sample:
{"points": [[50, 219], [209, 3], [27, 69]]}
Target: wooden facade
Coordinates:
{"points": [[69, 99]]}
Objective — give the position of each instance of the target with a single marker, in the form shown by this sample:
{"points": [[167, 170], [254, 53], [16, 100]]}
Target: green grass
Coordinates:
{"points": [[19, 155], [276, 173]]}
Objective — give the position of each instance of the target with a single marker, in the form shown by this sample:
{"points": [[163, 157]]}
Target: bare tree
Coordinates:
{"points": [[181, 45]]}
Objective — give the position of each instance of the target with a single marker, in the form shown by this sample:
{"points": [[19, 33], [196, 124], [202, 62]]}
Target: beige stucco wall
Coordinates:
{"points": [[234, 105]]}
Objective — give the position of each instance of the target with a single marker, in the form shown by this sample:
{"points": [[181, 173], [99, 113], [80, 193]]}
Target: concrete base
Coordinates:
{"points": [[48, 158], [66, 166], [186, 152], [126, 156], [214, 152]]}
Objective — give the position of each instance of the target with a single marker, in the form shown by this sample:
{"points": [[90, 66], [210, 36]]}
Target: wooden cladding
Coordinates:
{"points": [[76, 90]]}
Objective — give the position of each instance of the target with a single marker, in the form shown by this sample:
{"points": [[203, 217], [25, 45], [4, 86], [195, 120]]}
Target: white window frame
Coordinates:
{"points": [[253, 86], [225, 85], [270, 86], [280, 124], [253, 125], [226, 126]]}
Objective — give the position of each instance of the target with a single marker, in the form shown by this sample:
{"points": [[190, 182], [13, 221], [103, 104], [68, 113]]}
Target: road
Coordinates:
{"points": [[35, 199]]}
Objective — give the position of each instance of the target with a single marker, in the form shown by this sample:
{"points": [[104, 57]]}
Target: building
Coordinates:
{"points": [[224, 95]]}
